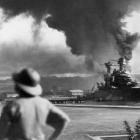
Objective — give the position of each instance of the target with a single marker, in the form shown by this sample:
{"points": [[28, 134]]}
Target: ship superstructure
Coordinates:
{"points": [[117, 83], [119, 78]]}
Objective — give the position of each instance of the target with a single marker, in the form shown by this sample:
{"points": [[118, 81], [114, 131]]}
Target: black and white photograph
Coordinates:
{"points": [[69, 69]]}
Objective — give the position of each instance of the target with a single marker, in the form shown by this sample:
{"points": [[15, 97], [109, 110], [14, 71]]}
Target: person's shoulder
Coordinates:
{"points": [[11, 108], [41, 99], [11, 104], [43, 102]]}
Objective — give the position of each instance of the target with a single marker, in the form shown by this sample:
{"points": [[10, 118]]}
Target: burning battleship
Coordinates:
{"points": [[118, 84]]}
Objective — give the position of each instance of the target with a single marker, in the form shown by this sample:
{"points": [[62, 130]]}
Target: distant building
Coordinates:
{"points": [[74, 93], [9, 95], [12, 95]]}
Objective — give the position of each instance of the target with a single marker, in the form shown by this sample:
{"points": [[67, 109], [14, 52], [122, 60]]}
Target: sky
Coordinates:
{"points": [[133, 26], [61, 37]]}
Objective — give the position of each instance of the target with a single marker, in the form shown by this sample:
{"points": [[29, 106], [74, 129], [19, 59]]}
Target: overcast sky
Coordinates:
{"points": [[77, 37]]}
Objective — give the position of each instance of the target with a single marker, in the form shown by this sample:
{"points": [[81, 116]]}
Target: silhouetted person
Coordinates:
{"points": [[23, 118]]}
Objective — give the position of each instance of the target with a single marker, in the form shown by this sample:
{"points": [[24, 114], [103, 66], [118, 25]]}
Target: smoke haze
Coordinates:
{"points": [[93, 29], [46, 51]]}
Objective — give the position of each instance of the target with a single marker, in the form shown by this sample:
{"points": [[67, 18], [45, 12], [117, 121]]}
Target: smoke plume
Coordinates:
{"points": [[91, 27], [126, 43]]}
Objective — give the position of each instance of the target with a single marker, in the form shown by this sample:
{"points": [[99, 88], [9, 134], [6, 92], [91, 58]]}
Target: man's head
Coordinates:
{"points": [[28, 80]]}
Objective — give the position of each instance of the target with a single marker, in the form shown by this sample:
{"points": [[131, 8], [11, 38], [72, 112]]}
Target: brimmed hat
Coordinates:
{"points": [[28, 80]]}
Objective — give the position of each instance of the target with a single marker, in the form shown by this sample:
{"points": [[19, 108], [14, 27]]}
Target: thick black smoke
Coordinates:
{"points": [[126, 43], [37, 8], [89, 25]]}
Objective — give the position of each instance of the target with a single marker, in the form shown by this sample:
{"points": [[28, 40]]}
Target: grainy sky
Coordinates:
{"points": [[61, 36]]}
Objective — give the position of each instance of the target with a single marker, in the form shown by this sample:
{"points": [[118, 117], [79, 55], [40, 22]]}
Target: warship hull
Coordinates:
{"points": [[110, 94]]}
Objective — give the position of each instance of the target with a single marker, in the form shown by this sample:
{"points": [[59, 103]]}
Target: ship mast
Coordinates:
{"points": [[109, 66]]}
